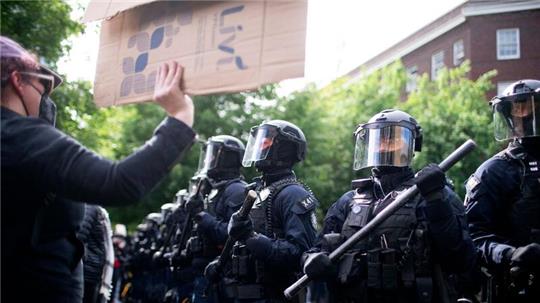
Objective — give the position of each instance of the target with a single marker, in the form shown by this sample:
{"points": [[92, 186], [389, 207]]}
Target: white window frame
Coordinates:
{"points": [[499, 44], [502, 85], [412, 78], [437, 66], [459, 52]]}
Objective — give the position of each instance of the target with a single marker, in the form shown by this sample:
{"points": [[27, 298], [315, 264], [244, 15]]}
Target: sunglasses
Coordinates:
{"points": [[46, 80]]}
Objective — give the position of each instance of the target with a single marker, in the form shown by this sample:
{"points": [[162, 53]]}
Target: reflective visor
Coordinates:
{"points": [[259, 143], [208, 157], [516, 118], [388, 146]]}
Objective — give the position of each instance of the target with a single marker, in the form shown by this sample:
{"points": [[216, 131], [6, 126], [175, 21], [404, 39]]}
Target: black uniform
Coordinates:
{"points": [[503, 199], [395, 262], [283, 218], [93, 233], [43, 172], [223, 200], [503, 209]]}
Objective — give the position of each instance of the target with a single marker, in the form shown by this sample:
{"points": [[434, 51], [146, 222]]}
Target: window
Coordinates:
{"points": [[437, 63], [459, 52], [501, 86], [412, 75], [508, 43]]}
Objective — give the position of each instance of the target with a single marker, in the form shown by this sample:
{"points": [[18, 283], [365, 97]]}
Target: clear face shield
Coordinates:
{"points": [[516, 117], [392, 145], [208, 158], [259, 143]]}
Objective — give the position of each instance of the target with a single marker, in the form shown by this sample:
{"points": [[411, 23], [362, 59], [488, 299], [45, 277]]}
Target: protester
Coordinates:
{"points": [[45, 173]]}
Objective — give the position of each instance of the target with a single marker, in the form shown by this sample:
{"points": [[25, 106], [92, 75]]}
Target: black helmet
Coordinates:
{"points": [[275, 143], [516, 112], [221, 157], [390, 138]]}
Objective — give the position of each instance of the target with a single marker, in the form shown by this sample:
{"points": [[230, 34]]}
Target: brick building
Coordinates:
{"points": [[501, 35]]}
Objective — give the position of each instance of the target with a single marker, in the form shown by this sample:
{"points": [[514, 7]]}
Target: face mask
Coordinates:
{"points": [[47, 110]]}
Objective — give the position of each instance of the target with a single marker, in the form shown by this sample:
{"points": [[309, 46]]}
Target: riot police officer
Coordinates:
{"points": [[395, 263], [220, 162], [281, 227], [503, 198]]}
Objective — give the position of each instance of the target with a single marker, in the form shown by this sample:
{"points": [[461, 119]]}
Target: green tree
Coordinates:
{"points": [[452, 109], [39, 26]]}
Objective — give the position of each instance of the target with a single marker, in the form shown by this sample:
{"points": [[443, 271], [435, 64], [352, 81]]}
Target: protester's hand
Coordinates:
{"points": [[239, 229], [168, 92], [430, 180], [317, 265]]}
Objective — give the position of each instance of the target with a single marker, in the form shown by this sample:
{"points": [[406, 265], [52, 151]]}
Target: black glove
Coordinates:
{"points": [[194, 205], [179, 259], [239, 229], [430, 181], [159, 260], [211, 271], [526, 257], [332, 241], [317, 265]]}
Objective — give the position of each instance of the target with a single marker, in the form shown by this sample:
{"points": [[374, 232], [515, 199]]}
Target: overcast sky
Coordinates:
{"points": [[341, 34]]}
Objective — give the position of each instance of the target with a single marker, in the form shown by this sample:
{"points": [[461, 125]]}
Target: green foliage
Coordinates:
{"points": [[451, 110], [39, 26]]}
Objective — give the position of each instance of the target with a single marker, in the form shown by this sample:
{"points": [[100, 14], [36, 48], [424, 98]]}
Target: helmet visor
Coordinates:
{"points": [[208, 158], [387, 146], [516, 118], [259, 143]]}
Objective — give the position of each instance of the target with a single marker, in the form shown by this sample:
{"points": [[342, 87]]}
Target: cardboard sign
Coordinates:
{"points": [[225, 46]]}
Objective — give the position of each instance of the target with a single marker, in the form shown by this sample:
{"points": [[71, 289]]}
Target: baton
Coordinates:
{"points": [[399, 201], [242, 214]]}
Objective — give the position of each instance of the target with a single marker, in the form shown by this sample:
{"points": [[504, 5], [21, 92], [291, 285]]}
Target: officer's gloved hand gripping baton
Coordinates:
{"points": [[399, 201], [242, 214]]}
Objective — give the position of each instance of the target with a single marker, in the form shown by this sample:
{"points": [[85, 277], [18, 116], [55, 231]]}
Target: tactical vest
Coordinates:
{"points": [[393, 258], [198, 245], [250, 279], [526, 209]]}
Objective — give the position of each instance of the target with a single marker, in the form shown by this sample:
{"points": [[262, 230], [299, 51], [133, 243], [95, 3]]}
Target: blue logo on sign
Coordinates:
{"points": [[162, 16], [226, 45]]}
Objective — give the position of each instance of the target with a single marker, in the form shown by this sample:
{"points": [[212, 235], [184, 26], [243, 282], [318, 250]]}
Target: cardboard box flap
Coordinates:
{"points": [[102, 9]]}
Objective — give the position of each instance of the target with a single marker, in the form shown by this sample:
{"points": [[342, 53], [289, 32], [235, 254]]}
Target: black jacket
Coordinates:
{"points": [[503, 203], [91, 233], [43, 172]]}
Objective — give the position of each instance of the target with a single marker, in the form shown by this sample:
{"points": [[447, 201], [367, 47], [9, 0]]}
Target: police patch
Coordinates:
{"points": [[472, 183], [263, 194], [308, 202], [213, 193]]}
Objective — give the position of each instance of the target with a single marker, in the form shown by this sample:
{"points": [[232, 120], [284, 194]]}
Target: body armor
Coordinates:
{"points": [[198, 245], [396, 256], [250, 278], [526, 208]]}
